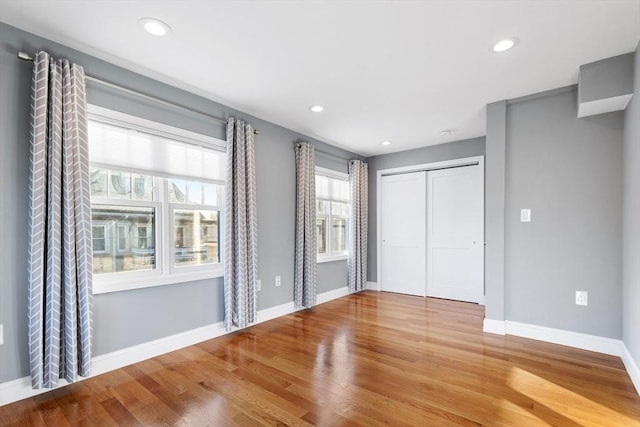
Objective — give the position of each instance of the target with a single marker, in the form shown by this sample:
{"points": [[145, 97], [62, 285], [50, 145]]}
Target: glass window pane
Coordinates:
{"points": [[211, 194], [177, 190], [98, 178], [322, 187], [322, 207], [321, 235], [120, 185], [142, 187], [194, 191], [340, 189], [196, 237], [339, 209], [339, 235], [123, 239]]}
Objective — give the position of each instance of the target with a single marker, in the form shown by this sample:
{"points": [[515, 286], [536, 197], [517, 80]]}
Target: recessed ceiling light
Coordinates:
{"points": [[504, 45], [446, 132], [317, 108], [154, 26], [386, 143]]}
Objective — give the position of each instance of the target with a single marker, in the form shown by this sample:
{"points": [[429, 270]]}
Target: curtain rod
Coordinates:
{"points": [[335, 156], [26, 57], [325, 153]]}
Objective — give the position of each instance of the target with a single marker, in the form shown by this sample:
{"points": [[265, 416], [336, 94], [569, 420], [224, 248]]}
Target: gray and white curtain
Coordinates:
{"points": [[358, 183], [60, 244], [241, 227], [305, 284]]}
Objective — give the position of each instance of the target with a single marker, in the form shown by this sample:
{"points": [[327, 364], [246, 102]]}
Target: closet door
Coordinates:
{"points": [[403, 233], [455, 233]]}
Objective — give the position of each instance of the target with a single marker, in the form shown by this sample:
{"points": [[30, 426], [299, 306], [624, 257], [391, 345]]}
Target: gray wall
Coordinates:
{"points": [[631, 222], [568, 171], [132, 317], [494, 188], [434, 153]]}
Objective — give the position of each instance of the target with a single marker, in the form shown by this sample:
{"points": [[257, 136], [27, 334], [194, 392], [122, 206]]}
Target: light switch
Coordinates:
{"points": [[525, 215]]}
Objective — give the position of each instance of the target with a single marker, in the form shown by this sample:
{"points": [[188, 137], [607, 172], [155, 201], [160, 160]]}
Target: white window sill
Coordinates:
{"points": [[110, 282], [331, 258]]}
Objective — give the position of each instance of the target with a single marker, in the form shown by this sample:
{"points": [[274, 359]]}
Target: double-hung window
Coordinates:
{"points": [[332, 214], [156, 197]]}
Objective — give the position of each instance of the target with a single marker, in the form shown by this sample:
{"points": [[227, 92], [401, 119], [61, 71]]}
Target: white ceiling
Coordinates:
{"points": [[384, 70]]}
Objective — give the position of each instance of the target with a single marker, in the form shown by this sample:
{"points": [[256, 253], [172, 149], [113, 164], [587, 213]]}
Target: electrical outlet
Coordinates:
{"points": [[582, 298], [278, 282], [525, 215], [1, 335], [259, 284]]}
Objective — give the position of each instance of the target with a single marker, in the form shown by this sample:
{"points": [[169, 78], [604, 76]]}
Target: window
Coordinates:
{"points": [[332, 214], [156, 196]]}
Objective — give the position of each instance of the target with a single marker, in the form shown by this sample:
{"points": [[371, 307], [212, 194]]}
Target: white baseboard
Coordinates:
{"points": [[632, 367], [569, 338], [274, 312], [372, 286], [331, 295], [557, 336], [12, 391], [494, 326]]}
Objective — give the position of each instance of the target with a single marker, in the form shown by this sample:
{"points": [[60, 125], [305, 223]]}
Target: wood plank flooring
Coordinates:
{"points": [[369, 359]]}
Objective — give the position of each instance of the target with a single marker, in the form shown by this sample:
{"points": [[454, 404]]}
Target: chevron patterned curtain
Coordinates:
{"points": [[60, 244], [305, 272], [241, 227], [358, 183]]}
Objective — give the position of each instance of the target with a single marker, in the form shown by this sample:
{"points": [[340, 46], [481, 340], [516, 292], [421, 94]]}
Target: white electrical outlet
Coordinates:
{"points": [[1, 335], [525, 215], [259, 284], [582, 298], [278, 282]]}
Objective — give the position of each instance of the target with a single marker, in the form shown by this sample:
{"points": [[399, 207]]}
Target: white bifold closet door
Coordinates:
{"points": [[403, 231], [455, 233]]}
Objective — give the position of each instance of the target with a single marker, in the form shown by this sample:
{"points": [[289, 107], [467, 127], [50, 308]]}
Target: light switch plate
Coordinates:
{"points": [[259, 284], [525, 215], [278, 281], [1, 335]]}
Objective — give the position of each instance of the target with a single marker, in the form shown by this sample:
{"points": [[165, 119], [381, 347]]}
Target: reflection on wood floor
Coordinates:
{"points": [[367, 359]]}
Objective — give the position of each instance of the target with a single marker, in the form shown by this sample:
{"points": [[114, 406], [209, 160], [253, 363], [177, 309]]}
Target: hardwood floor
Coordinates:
{"points": [[368, 359]]}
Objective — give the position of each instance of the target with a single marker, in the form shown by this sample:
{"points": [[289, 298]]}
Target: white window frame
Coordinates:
{"points": [[331, 256], [164, 273]]}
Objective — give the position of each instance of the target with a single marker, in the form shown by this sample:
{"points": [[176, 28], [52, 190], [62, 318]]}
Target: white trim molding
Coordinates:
{"points": [[595, 343], [12, 391], [494, 326], [331, 295], [372, 286], [631, 366]]}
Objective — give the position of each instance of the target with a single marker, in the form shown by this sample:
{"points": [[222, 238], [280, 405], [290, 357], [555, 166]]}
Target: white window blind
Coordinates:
{"points": [[331, 188], [138, 151]]}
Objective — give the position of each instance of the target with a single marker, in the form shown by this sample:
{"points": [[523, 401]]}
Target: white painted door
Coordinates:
{"points": [[455, 233], [403, 233]]}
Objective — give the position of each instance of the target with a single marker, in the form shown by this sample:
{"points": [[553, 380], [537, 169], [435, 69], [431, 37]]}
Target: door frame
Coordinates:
{"points": [[463, 161]]}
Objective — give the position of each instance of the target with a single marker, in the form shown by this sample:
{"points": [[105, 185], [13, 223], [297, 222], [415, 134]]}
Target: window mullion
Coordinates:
{"points": [[166, 237]]}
